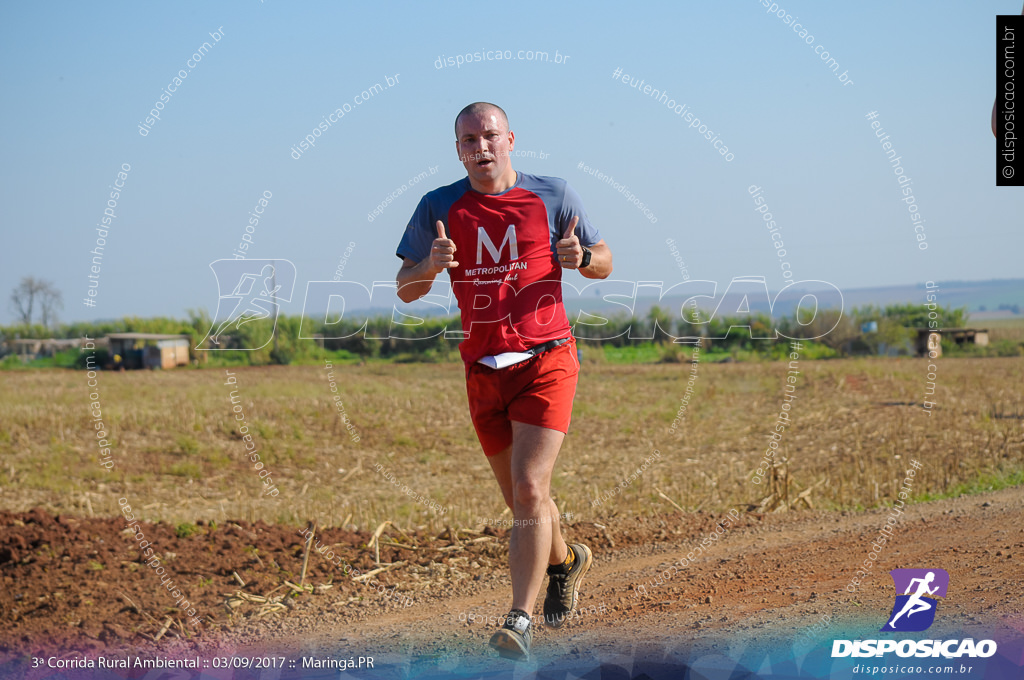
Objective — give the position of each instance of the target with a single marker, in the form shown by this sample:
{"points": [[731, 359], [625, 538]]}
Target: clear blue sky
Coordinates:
{"points": [[79, 78]]}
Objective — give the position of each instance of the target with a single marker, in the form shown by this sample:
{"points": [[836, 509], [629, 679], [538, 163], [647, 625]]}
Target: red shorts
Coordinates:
{"points": [[538, 391]]}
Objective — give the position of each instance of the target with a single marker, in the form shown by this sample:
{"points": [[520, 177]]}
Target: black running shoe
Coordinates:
{"points": [[513, 639], [564, 589]]}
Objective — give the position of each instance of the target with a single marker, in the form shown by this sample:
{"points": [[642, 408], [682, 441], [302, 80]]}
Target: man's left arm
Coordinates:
{"points": [[569, 251], [600, 261], [572, 213]]}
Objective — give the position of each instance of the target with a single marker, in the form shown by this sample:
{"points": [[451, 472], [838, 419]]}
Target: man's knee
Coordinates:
{"points": [[531, 493]]}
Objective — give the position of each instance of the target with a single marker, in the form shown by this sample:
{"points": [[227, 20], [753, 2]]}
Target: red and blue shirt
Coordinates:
{"points": [[508, 283]]}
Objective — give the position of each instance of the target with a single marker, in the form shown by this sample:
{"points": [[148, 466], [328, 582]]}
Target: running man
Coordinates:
{"points": [[915, 603], [504, 238]]}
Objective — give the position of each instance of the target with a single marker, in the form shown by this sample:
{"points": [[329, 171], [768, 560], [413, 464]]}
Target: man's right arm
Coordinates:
{"points": [[415, 278]]}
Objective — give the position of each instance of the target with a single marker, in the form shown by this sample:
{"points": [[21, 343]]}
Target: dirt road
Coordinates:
{"points": [[76, 585]]}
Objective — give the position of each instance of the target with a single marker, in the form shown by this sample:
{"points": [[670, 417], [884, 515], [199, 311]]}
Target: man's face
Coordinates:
{"points": [[484, 144]]}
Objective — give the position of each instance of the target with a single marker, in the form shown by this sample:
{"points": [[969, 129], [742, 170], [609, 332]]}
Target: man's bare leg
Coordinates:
{"points": [[523, 472], [501, 466]]}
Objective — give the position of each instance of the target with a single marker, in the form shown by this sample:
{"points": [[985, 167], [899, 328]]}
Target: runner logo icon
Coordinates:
{"points": [[914, 609], [257, 289]]}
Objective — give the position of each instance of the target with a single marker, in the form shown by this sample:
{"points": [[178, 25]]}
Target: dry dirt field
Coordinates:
{"points": [[75, 581]]}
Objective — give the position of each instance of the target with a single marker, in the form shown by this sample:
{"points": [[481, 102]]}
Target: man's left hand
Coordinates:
{"points": [[568, 248]]}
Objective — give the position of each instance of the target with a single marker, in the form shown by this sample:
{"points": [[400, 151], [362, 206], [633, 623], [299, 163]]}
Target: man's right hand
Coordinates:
{"points": [[442, 252]]}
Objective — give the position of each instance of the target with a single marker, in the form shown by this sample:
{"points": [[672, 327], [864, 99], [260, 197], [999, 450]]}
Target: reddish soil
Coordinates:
{"points": [[71, 583]]}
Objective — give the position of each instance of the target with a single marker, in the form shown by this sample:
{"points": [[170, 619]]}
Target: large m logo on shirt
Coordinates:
{"points": [[482, 239]]}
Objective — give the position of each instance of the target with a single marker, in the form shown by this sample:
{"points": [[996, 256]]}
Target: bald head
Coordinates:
{"points": [[484, 143], [483, 108]]}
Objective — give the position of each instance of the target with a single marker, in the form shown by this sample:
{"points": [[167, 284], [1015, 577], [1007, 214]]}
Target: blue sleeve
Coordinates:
{"points": [[572, 206], [419, 234]]}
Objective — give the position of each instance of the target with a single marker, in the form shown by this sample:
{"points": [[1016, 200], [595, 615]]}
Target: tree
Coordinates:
{"points": [[831, 327], [659, 318], [51, 300], [33, 293]]}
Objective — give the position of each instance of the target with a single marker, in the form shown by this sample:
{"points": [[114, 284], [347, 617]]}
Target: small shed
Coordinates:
{"points": [[34, 348], [930, 338], [27, 348], [149, 350]]}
